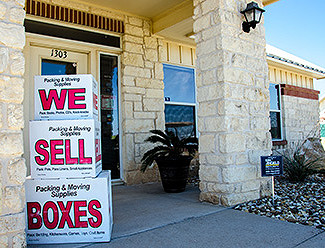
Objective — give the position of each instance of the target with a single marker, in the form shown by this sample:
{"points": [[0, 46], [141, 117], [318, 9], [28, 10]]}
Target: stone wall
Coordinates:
{"points": [[300, 117], [142, 96], [233, 97], [12, 166]]}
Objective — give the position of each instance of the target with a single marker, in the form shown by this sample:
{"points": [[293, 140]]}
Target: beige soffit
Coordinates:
{"points": [[145, 8], [278, 56], [177, 23], [171, 19]]}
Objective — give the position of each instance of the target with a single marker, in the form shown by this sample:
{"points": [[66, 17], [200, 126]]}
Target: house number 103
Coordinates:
{"points": [[59, 54]]}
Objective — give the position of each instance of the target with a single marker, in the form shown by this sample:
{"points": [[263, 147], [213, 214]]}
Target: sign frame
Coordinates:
{"points": [[271, 166]]}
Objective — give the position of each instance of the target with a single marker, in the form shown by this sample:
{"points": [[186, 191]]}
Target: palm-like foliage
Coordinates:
{"points": [[168, 145]]}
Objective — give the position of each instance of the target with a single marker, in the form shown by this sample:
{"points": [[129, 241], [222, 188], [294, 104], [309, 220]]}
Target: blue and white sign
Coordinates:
{"points": [[272, 166]]}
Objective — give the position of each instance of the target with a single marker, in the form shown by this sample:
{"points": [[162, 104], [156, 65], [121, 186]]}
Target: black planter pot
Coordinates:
{"points": [[174, 173]]}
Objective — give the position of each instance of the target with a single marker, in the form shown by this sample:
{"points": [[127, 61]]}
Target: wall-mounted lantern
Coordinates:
{"points": [[253, 15]]}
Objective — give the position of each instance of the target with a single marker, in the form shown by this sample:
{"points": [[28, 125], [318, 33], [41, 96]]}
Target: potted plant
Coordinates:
{"points": [[173, 156]]}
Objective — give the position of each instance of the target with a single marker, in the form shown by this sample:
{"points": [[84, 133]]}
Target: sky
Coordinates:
{"points": [[298, 27]]}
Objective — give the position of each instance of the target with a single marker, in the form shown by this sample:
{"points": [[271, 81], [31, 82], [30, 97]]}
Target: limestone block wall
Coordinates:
{"points": [[232, 92], [12, 166], [300, 118], [142, 96]]}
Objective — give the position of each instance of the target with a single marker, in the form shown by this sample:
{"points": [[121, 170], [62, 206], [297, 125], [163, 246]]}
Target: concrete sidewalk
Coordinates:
{"points": [[145, 216]]}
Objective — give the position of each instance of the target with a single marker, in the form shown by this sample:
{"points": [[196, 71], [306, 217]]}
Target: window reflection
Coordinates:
{"points": [[53, 67], [274, 97], [275, 112], [180, 120], [109, 114], [179, 84], [275, 125], [180, 100]]}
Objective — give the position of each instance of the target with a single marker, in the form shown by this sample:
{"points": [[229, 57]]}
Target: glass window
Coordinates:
{"points": [[275, 112], [180, 119], [53, 67], [274, 97], [179, 84], [275, 125], [180, 102]]}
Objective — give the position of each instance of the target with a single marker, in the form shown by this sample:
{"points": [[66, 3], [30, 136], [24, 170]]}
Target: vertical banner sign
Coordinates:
{"points": [[69, 210], [65, 148], [66, 97], [271, 166]]}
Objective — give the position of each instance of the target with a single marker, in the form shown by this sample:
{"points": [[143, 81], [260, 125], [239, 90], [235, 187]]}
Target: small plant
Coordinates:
{"points": [[298, 165], [297, 168], [169, 146]]}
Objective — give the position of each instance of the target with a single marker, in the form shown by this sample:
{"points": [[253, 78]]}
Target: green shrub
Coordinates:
{"points": [[297, 164]]}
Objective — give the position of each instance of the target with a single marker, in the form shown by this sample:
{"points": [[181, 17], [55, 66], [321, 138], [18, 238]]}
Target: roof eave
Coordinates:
{"points": [[296, 68], [267, 2]]}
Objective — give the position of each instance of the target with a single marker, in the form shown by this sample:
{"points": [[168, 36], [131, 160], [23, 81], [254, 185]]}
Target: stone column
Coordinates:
{"points": [[12, 165], [233, 98], [142, 96]]}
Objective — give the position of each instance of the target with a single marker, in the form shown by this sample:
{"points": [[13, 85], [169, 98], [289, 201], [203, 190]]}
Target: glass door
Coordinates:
{"points": [[52, 61], [48, 61], [54, 67], [110, 114]]}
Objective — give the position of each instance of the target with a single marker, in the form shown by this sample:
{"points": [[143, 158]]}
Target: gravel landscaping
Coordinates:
{"points": [[301, 203]]}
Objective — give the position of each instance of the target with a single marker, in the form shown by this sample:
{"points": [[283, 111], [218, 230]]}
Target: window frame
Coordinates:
{"points": [[277, 111], [185, 103]]}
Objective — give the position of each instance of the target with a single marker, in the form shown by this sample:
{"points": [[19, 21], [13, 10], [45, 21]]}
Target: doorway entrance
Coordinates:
{"points": [[110, 114], [69, 59]]}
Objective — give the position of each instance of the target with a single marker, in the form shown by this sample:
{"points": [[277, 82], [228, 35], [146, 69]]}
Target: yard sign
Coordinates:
{"points": [[271, 166]]}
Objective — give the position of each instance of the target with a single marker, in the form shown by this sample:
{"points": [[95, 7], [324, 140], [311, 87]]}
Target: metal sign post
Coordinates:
{"points": [[273, 193]]}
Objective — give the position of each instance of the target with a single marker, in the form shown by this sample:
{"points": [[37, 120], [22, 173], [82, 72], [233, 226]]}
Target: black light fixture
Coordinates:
{"points": [[253, 15]]}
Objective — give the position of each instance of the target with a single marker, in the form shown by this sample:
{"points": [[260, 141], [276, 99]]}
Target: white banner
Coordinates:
{"points": [[66, 97], [69, 210], [65, 148]]}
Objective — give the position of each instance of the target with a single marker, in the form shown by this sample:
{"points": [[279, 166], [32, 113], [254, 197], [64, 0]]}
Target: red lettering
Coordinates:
{"points": [[73, 97], [47, 206], [65, 214], [78, 213], [44, 156], [82, 158], [95, 99], [97, 150], [40, 149], [94, 212], [68, 159], [56, 215], [55, 151], [53, 96], [33, 215]]}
